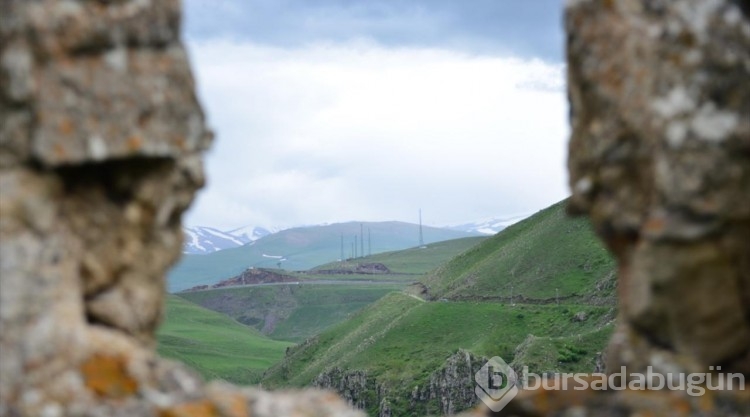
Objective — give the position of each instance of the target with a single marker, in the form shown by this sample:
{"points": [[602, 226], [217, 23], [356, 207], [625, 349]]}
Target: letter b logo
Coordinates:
{"points": [[496, 384]]}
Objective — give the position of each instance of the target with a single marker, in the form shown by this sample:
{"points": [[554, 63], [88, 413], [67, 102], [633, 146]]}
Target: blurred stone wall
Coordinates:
{"points": [[101, 139], [659, 160], [100, 153]]}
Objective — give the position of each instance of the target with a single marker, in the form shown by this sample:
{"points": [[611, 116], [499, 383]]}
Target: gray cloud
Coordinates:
{"points": [[361, 131], [509, 27]]}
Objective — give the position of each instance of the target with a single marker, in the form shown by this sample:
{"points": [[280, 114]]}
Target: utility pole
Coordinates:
{"points": [[342, 247], [355, 247], [421, 237], [362, 240], [369, 242]]}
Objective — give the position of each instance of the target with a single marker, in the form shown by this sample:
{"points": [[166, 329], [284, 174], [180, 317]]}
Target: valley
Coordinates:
{"points": [[403, 332]]}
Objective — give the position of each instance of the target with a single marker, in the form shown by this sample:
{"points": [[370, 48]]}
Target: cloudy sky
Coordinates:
{"points": [[337, 110]]}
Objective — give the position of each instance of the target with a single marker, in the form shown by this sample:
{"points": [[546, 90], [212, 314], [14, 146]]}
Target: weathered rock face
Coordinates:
{"points": [[660, 161], [449, 389], [356, 387], [100, 153]]}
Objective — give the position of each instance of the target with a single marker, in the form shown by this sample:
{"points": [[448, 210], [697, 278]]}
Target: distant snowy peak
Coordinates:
{"points": [[489, 226], [202, 240], [251, 233]]}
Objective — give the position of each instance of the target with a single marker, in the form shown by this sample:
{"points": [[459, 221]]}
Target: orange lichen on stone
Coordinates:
{"points": [[66, 127], [654, 225], [203, 408], [107, 376], [231, 404], [180, 142], [59, 151], [134, 143]]}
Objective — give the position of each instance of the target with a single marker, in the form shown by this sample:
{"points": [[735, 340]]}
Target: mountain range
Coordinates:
{"points": [[302, 248], [201, 240]]}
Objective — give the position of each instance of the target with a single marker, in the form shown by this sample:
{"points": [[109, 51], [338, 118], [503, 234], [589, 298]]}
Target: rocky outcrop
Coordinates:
{"points": [[252, 276], [447, 391], [450, 388], [660, 162], [355, 386], [101, 139], [370, 268]]}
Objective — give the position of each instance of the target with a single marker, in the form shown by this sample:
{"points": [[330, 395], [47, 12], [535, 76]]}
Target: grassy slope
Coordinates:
{"points": [[215, 345], [536, 257], [296, 311], [304, 248], [414, 260], [401, 340]]}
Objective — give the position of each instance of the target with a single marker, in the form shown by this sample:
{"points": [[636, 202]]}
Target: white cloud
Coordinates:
{"points": [[330, 133]]}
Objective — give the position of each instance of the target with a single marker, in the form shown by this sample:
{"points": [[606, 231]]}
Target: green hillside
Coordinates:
{"points": [[291, 312], [416, 260], [296, 312], [558, 319], [400, 341], [543, 257], [303, 248], [215, 345]]}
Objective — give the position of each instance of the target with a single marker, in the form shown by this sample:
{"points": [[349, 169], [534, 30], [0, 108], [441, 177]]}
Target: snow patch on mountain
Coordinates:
{"points": [[201, 240], [489, 226], [252, 233]]}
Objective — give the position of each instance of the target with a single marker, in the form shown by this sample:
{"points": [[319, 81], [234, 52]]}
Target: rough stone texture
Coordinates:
{"points": [[448, 390], [100, 153], [100, 142], [451, 387], [356, 387], [660, 161]]}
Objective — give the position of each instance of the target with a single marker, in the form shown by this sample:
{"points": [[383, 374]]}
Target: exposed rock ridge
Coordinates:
{"points": [[447, 391]]}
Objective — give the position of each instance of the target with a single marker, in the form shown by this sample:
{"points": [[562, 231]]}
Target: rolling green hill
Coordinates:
{"points": [[295, 312], [543, 257], [414, 261], [303, 248], [215, 345], [540, 293], [291, 312], [558, 319], [400, 343]]}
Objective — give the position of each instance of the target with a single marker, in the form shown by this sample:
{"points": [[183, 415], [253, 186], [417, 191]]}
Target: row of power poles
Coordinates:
{"points": [[358, 251]]}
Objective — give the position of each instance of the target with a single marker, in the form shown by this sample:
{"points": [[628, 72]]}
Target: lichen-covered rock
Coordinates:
{"points": [[100, 153], [660, 161]]}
